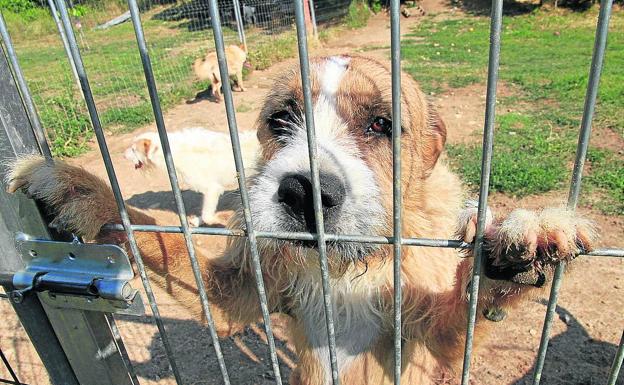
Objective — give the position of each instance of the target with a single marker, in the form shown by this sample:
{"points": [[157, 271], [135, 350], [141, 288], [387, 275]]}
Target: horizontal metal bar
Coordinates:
{"points": [[302, 236]]}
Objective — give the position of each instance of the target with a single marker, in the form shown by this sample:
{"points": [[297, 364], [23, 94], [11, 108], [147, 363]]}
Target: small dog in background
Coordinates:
{"points": [[203, 160], [207, 68]]}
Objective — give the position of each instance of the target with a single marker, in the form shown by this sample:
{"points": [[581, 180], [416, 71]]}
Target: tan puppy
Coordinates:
{"points": [[207, 68], [203, 160], [352, 111]]}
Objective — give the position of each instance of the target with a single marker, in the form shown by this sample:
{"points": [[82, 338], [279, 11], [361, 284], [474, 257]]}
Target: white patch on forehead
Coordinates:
{"points": [[331, 74]]}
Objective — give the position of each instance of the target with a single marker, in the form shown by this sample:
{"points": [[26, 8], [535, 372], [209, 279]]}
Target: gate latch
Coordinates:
{"points": [[76, 275]]}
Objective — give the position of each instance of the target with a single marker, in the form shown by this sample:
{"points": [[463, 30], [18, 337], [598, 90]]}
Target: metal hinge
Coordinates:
{"points": [[76, 275]]}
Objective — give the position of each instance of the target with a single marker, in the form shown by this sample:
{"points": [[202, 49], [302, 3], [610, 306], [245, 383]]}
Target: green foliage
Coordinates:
{"points": [[78, 11], [527, 157], [607, 176], [358, 15], [546, 54], [265, 54], [67, 123], [375, 6], [16, 6]]}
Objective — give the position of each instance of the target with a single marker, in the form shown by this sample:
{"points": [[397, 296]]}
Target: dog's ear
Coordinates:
{"points": [[147, 147], [434, 141]]}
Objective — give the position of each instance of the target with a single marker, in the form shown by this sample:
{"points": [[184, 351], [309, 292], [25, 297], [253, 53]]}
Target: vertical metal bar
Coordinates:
{"points": [[173, 179], [313, 17], [595, 71], [125, 218], [304, 64], [600, 43], [486, 165], [63, 34], [239, 24], [395, 43], [9, 368], [240, 170], [122, 348], [617, 363], [24, 90]]}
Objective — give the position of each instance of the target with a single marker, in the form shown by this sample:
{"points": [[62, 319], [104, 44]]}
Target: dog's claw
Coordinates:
{"points": [[526, 246]]}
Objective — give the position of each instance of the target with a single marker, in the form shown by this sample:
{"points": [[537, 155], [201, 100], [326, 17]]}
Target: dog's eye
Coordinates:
{"points": [[380, 126], [280, 123]]}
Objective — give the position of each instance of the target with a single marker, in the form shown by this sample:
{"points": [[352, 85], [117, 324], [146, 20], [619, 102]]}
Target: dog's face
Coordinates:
{"points": [[142, 151], [352, 115]]}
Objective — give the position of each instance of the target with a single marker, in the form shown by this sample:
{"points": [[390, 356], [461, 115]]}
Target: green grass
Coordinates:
{"points": [[114, 67], [545, 58], [116, 75], [527, 157]]}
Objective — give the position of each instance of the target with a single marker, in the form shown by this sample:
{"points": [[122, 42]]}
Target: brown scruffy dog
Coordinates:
{"points": [[352, 111]]}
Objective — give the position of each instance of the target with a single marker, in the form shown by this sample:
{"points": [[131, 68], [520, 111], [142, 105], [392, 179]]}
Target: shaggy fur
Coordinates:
{"points": [[203, 160], [520, 250], [207, 68]]}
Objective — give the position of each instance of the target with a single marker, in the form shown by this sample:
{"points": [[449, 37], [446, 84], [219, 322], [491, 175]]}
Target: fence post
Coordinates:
{"points": [[313, 17], [306, 14], [239, 24], [68, 341], [63, 34]]}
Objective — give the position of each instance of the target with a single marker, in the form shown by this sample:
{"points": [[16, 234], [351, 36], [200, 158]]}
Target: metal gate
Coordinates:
{"points": [[67, 339]]}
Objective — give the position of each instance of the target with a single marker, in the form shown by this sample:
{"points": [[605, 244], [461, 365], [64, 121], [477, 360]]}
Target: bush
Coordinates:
{"points": [[358, 14], [16, 6]]}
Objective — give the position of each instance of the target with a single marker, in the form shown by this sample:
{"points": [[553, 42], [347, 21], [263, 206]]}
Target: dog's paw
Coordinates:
{"points": [[467, 222], [525, 247], [194, 221], [22, 172], [78, 201]]}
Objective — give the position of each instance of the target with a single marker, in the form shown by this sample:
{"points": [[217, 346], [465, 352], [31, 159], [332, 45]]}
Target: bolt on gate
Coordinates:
{"points": [[67, 337]]}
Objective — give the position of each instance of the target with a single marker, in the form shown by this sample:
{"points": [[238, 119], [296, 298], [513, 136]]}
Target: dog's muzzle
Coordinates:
{"points": [[295, 195]]}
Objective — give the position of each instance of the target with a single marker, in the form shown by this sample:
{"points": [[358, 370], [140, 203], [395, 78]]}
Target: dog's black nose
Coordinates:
{"points": [[295, 193]]}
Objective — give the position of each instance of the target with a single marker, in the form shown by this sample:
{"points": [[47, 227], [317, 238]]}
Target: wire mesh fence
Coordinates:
{"points": [[178, 34], [221, 28]]}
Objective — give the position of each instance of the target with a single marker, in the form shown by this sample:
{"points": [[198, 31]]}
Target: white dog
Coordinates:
{"points": [[203, 160]]}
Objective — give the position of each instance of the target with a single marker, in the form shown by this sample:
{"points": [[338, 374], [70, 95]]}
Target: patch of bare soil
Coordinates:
{"points": [[585, 333]]}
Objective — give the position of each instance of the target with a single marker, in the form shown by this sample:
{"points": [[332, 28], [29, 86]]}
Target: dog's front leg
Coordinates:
{"points": [[82, 203], [209, 203], [239, 79]]}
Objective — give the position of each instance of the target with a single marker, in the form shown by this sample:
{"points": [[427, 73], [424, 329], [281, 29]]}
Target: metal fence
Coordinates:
{"points": [[216, 13], [179, 32]]}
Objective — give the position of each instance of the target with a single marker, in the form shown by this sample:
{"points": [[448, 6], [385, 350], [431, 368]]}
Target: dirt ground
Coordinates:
{"points": [[585, 333]]}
